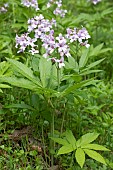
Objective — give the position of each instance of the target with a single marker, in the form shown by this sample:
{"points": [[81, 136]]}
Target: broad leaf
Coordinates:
{"points": [[95, 147], [84, 58], [93, 64], [4, 86], [89, 72], [95, 155], [74, 87], [60, 141], [71, 139], [95, 51], [86, 139], [19, 82], [44, 68], [48, 73], [72, 64], [1, 91], [80, 157], [22, 106], [65, 149], [25, 71]]}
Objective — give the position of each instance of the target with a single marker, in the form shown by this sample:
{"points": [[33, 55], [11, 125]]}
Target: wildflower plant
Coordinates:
{"points": [[59, 73]]}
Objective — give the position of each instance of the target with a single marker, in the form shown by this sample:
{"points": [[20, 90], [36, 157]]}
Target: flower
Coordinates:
{"points": [[24, 41], [32, 3], [95, 1], [58, 10], [81, 35], [3, 9], [63, 48]]}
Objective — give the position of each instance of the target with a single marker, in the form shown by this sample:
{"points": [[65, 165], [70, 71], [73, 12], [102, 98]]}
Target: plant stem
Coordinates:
{"points": [[58, 77], [44, 145], [52, 131], [52, 145], [63, 118]]}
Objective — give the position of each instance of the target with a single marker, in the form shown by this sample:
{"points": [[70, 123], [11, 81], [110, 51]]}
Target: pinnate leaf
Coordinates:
{"points": [[25, 71]]}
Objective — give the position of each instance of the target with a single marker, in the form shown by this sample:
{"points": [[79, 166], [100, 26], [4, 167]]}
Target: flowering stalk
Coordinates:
{"points": [[52, 144], [58, 77], [52, 128]]}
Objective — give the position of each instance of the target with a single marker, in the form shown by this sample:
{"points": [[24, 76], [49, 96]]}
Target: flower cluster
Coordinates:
{"points": [[81, 35], [3, 9], [42, 29], [24, 41], [58, 10], [58, 44], [40, 25], [30, 3]]}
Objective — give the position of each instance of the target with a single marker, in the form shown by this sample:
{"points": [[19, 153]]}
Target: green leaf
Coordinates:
{"points": [[1, 91], [89, 72], [84, 58], [22, 106], [44, 68], [65, 149], [95, 147], [72, 64], [60, 141], [80, 157], [86, 139], [95, 51], [70, 138], [96, 156], [74, 87], [19, 82], [4, 86], [106, 12], [4, 67], [25, 71], [94, 64]]}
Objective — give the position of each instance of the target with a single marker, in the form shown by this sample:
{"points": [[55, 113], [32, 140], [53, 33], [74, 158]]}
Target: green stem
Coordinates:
{"points": [[58, 77], [44, 145], [52, 145], [77, 59], [63, 118]]}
